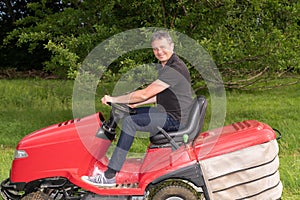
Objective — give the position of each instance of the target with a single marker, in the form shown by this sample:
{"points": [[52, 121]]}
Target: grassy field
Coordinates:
{"points": [[27, 105]]}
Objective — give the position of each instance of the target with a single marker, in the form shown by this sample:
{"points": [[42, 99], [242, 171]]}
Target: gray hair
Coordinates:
{"points": [[160, 35]]}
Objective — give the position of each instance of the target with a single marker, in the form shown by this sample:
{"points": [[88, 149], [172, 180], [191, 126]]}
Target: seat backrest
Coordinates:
{"points": [[193, 126], [197, 116]]}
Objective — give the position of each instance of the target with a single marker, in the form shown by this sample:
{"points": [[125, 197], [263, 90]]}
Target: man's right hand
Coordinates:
{"points": [[106, 99]]}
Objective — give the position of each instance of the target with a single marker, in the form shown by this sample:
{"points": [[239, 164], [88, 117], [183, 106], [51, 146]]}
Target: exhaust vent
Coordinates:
{"points": [[68, 122]]}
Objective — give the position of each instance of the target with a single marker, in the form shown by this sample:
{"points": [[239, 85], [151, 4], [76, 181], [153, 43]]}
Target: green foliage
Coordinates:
{"points": [[240, 35], [250, 35], [62, 61]]}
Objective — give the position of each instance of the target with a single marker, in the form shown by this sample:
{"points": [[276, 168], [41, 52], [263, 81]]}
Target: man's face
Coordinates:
{"points": [[162, 50]]}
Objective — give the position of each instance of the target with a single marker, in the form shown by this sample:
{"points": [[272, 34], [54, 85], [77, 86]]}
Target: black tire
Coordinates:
{"points": [[175, 191], [36, 196]]}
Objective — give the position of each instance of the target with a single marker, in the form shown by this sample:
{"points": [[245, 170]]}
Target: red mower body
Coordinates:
{"points": [[60, 151], [71, 149]]}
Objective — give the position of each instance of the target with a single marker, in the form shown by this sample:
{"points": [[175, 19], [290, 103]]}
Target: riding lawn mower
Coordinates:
{"points": [[237, 161]]}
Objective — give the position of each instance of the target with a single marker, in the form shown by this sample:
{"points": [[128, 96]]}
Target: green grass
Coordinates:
{"points": [[5, 160], [28, 105]]}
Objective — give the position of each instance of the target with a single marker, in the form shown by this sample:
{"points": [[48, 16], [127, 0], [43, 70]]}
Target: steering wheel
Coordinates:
{"points": [[124, 108], [118, 112]]}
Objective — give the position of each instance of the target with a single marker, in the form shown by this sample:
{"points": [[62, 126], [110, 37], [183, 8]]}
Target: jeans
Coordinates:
{"points": [[147, 119]]}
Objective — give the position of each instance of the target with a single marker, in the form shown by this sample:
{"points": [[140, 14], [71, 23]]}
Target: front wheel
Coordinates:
{"points": [[175, 190], [36, 196]]}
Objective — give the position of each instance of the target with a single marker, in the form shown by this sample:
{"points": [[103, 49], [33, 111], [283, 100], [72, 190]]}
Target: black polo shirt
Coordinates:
{"points": [[177, 98]]}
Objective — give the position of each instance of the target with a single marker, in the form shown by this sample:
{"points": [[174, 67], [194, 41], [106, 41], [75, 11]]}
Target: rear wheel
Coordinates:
{"points": [[175, 190]]}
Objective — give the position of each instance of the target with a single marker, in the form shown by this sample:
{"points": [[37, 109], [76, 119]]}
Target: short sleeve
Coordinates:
{"points": [[169, 76]]}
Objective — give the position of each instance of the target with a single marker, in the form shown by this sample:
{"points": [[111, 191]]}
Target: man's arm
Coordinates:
{"points": [[138, 96], [149, 101]]}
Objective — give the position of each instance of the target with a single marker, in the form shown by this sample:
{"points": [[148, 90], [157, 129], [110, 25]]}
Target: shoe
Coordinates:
{"points": [[100, 180]]}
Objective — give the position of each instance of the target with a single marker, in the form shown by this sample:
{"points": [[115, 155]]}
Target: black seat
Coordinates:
{"points": [[192, 128]]}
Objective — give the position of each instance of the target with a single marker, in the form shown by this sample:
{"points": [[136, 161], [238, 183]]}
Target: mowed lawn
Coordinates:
{"points": [[30, 104]]}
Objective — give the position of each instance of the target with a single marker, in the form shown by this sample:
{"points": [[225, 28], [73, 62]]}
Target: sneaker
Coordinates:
{"points": [[100, 180]]}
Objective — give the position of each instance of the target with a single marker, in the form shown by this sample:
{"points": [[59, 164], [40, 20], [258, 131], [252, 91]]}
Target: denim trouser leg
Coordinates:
{"points": [[147, 119]]}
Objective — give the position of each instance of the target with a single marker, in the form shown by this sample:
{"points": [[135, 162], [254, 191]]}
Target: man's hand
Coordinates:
{"points": [[106, 99], [132, 105]]}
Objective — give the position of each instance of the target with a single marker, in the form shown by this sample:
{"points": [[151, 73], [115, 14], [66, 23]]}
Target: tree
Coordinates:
{"points": [[12, 56], [245, 38]]}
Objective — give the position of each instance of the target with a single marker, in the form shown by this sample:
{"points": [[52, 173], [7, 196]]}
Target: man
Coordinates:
{"points": [[172, 94]]}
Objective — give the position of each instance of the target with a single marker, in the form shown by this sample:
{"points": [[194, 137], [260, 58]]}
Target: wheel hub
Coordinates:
{"points": [[174, 198]]}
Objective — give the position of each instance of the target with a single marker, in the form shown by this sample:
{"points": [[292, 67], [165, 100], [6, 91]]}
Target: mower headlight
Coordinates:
{"points": [[20, 154]]}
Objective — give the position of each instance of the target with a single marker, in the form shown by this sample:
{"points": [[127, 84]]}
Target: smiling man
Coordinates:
{"points": [[163, 48], [171, 92]]}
